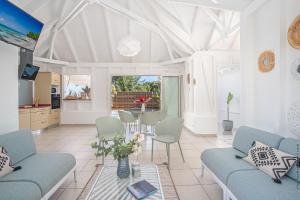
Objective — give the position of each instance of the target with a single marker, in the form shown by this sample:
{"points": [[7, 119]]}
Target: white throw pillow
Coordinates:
{"points": [[271, 161], [5, 164]]}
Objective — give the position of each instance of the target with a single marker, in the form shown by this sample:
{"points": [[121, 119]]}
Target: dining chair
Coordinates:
{"points": [[149, 119], [108, 128], [168, 131], [163, 114], [128, 119]]}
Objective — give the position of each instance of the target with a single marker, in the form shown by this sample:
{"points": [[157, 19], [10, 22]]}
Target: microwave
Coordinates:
{"points": [[53, 90]]}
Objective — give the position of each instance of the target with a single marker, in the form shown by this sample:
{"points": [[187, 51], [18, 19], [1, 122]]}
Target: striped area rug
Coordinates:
{"points": [[105, 185]]}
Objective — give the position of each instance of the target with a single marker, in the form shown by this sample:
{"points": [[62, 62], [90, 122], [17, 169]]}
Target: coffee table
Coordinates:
{"points": [[109, 187]]}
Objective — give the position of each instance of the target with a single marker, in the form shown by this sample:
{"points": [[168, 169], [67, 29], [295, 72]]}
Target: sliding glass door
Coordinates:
{"points": [[171, 95]]}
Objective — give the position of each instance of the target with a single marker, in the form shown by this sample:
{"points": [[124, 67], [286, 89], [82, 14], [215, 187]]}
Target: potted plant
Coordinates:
{"points": [[228, 124], [120, 149]]}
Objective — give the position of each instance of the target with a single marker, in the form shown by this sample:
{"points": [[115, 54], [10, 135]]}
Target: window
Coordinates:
{"points": [[77, 87]]}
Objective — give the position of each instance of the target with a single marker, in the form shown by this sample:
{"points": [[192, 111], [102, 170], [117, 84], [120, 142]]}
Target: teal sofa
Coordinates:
{"points": [[41, 173], [242, 181]]}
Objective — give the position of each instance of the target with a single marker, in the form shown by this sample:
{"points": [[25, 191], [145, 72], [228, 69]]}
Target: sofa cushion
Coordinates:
{"points": [[273, 162], [222, 162], [20, 190], [245, 136], [289, 145], [43, 169], [19, 145], [5, 163], [254, 184]]}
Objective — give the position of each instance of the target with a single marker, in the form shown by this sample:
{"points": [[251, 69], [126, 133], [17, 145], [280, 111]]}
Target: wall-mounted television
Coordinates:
{"points": [[30, 72], [17, 27]]}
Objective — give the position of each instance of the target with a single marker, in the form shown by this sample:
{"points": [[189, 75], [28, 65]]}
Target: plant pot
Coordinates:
{"points": [[227, 125], [123, 170]]}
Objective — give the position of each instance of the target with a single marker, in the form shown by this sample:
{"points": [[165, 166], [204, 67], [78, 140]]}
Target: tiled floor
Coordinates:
{"points": [[76, 139]]}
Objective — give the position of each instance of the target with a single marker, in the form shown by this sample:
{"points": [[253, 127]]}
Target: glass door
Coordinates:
{"points": [[171, 95]]}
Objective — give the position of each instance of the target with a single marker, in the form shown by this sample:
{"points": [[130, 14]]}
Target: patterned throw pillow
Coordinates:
{"points": [[271, 161], [5, 164]]}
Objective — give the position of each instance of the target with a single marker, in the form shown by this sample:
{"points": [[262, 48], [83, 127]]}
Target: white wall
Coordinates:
{"points": [[9, 59], [201, 115], [85, 112], [267, 96]]}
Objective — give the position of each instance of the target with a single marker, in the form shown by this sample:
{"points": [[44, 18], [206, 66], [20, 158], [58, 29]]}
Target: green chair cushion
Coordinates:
{"points": [[43, 169], [20, 190], [222, 162], [254, 184]]}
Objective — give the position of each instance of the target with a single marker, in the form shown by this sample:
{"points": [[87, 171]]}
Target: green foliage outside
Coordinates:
{"points": [[33, 36], [134, 84]]}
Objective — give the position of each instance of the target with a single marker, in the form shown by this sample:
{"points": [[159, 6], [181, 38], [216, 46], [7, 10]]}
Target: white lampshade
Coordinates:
{"points": [[129, 46]]}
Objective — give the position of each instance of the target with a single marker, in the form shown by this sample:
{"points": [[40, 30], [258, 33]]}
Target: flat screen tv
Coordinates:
{"points": [[17, 27], [30, 72]]}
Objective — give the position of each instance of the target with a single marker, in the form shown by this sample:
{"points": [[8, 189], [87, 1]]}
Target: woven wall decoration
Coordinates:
{"points": [[295, 69], [266, 61], [293, 117], [294, 33]]}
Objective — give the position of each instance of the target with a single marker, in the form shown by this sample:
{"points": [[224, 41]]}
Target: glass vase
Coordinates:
{"points": [[123, 170], [143, 107]]}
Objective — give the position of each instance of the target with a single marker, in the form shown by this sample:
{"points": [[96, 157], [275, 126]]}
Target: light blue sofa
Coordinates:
{"points": [[41, 173], [242, 181]]}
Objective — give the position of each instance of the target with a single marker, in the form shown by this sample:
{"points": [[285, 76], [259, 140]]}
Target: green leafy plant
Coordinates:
{"points": [[118, 147], [229, 99]]}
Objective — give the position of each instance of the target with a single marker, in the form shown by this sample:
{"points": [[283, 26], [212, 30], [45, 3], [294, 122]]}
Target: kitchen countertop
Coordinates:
{"points": [[32, 106]]}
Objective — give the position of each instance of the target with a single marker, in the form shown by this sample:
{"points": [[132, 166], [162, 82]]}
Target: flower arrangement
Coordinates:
{"points": [[119, 148], [143, 99]]}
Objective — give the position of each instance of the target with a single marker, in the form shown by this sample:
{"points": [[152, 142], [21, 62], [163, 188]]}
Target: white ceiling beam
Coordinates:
{"points": [[163, 6], [194, 20], [150, 47], [87, 29], [214, 17], [171, 29], [256, 4], [144, 22], [111, 40], [74, 13], [70, 44], [178, 60], [54, 33], [237, 5], [46, 60]]}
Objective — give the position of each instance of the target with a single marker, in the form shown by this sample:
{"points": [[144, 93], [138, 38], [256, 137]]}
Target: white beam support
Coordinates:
{"points": [[127, 13], [256, 4], [194, 19], [111, 41], [87, 29], [76, 11], [70, 44], [173, 30], [54, 34]]}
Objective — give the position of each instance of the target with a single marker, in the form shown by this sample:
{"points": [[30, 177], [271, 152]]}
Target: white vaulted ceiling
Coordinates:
{"points": [[89, 30]]}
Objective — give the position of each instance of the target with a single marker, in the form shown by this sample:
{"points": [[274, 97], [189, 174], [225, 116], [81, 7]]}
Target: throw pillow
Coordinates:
{"points": [[5, 164], [271, 161]]}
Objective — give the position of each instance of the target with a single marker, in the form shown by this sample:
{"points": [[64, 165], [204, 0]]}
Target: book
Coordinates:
{"points": [[141, 189]]}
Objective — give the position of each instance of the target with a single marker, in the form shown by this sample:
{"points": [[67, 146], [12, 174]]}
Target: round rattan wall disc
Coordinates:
{"points": [[266, 61], [294, 33]]}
